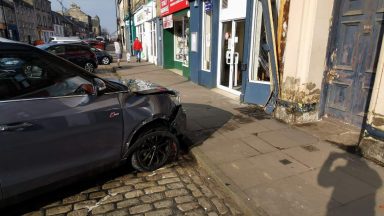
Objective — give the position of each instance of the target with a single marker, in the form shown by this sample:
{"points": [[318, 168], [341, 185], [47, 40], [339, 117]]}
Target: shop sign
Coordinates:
{"points": [[143, 15], [208, 6], [168, 22], [171, 6]]}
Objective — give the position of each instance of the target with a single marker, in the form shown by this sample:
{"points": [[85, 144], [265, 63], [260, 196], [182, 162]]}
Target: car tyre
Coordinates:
{"points": [[106, 61], [90, 67], [154, 149]]}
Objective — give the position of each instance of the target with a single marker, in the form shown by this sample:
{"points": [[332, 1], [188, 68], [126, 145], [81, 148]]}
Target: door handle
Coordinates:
{"points": [[236, 58], [228, 57], [15, 127]]}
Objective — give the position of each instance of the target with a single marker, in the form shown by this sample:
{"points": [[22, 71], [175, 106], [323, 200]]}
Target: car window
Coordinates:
{"points": [[31, 75], [72, 48], [57, 50]]}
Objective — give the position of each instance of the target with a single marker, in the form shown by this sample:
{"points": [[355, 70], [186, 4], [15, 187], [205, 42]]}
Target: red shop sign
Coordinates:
{"points": [[171, 6]]}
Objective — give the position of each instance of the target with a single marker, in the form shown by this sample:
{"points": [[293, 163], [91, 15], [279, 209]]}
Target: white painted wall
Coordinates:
{"points": [[376, 108], [307, 39], [237, 9]]}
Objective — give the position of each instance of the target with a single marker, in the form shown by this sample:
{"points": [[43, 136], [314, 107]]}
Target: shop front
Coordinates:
{"points": [[233, 51], [145, 29], [176, 35]]}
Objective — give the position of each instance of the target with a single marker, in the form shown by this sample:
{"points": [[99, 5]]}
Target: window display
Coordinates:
{"points": [[181, 38]]}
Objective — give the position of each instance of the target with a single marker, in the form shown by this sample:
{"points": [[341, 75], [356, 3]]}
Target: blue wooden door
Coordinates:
{"points": [[355, 47]]}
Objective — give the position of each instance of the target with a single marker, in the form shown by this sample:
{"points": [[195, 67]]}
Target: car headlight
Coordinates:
{"points": [[176, 97]]}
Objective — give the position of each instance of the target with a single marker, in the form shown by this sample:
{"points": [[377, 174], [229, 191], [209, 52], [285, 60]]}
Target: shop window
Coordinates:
{"points": [[260, 60], [206, 37], [181, 37]]}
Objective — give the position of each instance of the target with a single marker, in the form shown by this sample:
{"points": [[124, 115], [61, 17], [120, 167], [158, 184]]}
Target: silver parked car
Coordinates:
{"points": [[58, 121]]}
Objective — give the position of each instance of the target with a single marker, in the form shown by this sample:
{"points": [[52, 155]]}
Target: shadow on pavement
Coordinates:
{"points": [[202, 121], [335, 173]]}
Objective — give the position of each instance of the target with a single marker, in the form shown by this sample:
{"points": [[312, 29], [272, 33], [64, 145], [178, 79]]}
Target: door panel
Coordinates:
{"points": [[66, 136], [258, 83], [232, 54], [354, 59]]}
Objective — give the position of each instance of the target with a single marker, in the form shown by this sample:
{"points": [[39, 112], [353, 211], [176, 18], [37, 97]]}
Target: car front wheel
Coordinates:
{"points": [[89, 67], [154, 149], [105, 61]]}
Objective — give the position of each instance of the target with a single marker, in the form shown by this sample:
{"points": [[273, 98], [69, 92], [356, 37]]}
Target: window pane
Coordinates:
{"points": [[259, 70], [206, 38], [30, 76], [181, 37]]}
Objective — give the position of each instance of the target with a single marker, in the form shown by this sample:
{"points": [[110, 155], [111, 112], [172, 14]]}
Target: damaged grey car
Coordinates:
{"points": [[58, 121]]}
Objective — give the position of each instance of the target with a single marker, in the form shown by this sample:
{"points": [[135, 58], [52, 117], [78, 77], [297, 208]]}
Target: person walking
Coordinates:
{"points": [[118, 51], [137, 47]]}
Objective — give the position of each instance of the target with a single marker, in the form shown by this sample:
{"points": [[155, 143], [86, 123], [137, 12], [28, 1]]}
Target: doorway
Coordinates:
{"points": [[232, 53], [353, 59]]}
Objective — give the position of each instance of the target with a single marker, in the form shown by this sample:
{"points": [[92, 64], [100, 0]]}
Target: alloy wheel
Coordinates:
{"points": [[105, 61], [89, 67]]}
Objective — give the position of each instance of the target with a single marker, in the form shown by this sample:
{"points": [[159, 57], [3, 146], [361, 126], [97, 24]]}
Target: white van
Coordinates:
{"points": [[64, 39]]}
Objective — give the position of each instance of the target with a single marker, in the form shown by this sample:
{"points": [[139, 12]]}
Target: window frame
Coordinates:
{"points": [[50, 61], [203, 40], [256, 37]]}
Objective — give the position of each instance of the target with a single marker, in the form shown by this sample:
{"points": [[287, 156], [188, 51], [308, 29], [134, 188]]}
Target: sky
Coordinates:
{"points": [[105, 9]]}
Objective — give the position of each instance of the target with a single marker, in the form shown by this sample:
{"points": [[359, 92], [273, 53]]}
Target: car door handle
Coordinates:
{"points": [[15, 127]]}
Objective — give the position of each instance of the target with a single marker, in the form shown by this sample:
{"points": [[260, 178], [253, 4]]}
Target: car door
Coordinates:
{"points": [[74, 53], [49, 130], [58, 50]]}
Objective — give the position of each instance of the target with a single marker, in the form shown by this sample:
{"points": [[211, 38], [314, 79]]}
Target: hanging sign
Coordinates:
{"points": [[168, 22], [171, 6]]}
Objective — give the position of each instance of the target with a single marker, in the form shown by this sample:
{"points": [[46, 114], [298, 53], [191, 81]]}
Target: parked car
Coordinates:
{"points": [[59, 122], [103, 57], [95, 43], [76, 53], [63, 39]]}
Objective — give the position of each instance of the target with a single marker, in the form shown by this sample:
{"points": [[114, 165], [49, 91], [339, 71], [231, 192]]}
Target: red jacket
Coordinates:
{"points": [[137, 45]]}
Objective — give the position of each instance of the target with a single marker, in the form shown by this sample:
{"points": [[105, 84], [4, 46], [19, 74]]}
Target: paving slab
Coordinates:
{"points": [[277, 139], [290, 196], [258, 144], [312, 155], [337, 184]]}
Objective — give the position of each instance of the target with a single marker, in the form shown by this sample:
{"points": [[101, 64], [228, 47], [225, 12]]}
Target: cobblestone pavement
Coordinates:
{"points": [[181, 188]]}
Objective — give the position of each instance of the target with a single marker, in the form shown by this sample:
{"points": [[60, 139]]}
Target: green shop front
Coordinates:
{"points": [[175, 15]]}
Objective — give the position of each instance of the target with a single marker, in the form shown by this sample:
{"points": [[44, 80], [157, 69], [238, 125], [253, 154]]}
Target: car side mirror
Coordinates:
{"points": [[100, 85]]}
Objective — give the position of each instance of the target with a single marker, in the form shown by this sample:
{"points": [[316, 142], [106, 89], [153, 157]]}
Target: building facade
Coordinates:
{"points": [[145, 25], [58, 24], [96, 28], [8, 21], [302, 60], [26, 22], [43, 19], [82, 19]]}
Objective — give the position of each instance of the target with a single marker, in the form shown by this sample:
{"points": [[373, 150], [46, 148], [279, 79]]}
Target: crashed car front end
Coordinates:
{"points": [[146, 104], [178, 116]]}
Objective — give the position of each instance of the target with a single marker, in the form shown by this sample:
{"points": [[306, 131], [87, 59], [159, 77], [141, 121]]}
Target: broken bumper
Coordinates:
{"points": [[179, 123]]}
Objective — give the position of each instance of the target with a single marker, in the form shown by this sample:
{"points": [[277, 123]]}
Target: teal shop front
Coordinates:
{"points": [[176, 36]]}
